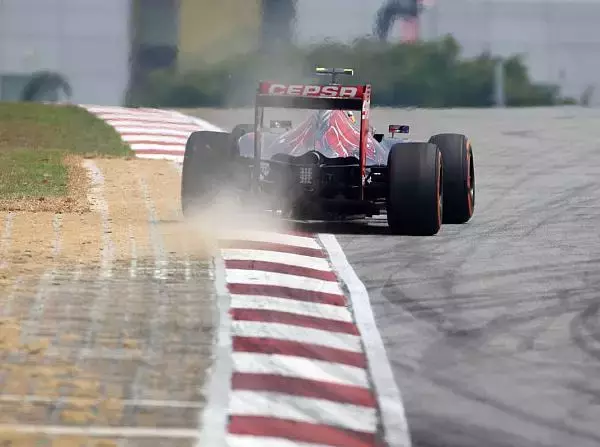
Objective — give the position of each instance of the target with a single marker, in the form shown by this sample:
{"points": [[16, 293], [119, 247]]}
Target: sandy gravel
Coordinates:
{"points": [[105, 313]]}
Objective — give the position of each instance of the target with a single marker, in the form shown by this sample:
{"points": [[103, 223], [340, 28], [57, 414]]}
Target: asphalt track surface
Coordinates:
{"points": [[493, 328]]}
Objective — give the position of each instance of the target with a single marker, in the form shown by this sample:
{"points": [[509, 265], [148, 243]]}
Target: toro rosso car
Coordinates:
{"points": [[330, 167]]}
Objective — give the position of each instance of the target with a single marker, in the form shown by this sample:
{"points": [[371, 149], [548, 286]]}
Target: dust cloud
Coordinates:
{"points": [[231, 215]]}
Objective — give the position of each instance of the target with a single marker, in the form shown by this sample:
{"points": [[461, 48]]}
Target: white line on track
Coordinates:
{"points": [[171, 157], [297, 334], [160, 256], [97, 197], [132, 122], [213, 420], [276, 238], [57, 226], [187, 268], [6, 239], [388, 395], [276, 257], [161, 300], [303, 409], [157, 147], [152, 130], [300, 367], [101, 206], [133, 261], [158, 139], [318, 310], [30, 327], [260, 278], [262, 441]]}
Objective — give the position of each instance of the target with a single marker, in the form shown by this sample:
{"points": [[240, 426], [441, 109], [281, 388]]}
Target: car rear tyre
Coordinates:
{"points": [[459, 177], [415, 196], [239, 131], [207, 165]]}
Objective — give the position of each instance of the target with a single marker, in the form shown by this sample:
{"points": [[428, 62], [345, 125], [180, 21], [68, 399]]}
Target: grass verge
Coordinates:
{"points": [[68, 128], [41, 148]]}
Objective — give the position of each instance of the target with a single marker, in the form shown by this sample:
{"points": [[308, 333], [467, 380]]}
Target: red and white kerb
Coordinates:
{"points": [[300, 374]]}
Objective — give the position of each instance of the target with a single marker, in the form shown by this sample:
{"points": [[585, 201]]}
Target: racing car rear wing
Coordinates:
{"points": [[300, 96]]}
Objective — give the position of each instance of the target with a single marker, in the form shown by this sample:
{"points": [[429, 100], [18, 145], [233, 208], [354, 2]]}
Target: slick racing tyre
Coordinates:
{"points": [[459, 177], [415, 196], [207, 167]]}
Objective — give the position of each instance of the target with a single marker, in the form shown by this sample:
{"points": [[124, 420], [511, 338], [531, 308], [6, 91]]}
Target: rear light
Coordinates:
{"points": [[306, 175], [397, 128]]}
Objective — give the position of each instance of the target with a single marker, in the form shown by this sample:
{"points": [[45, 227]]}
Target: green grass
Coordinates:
{"points": [[36, 138], [29, 173], [63, 127]]}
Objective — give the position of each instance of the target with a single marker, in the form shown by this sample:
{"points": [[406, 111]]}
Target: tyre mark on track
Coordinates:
{"points": [[489, 309], [516, 412]]}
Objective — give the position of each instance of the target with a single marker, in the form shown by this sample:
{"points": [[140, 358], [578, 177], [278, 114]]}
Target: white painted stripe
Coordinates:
{"points": [[261, 441], [137, 123], [6, 239], [317, 310], [303, 409], [300, 367], [174, 157], [205, 124], [151, 114], [142, 113], [274, 256], [156, 147], [388, 395], [101, 109], [157, 120], [257, 277], [141, 118], [150, 109], [96, 431], [297, 334], [276, 238], [153, 138], [153, 130], [213, 419]]}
